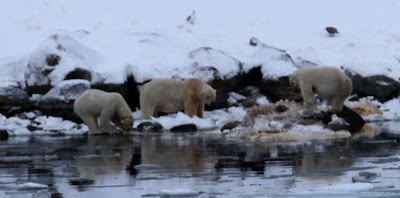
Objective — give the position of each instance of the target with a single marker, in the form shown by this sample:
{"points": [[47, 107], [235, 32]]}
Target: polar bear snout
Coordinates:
{"points": [[209, 97], [127, 123]]}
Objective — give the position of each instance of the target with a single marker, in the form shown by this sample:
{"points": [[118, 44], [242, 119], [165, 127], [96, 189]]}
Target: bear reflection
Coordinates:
{"points": [[323, 161], [176, 154], [105, 156], [319, 158]]}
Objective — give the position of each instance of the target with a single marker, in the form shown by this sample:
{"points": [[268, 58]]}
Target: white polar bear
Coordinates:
{"points": [[169, 96], [95, 106], [329, 83]]}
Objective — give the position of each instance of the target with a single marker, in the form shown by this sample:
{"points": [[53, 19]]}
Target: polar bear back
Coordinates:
{"points": [[89, 101], [327, 81], [171, 90]]}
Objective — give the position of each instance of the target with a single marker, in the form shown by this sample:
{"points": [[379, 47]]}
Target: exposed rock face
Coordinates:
{"points": [[13, 100], [79, 73], [379, 86], [57, 54]]}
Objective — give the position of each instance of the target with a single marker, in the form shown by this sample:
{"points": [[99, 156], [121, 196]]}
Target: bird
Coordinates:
{"points": [[364, 177], [190, 19], [230, 125], [332, 31]]}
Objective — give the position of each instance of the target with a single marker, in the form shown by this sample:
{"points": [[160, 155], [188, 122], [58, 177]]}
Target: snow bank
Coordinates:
{"points": [[154, 41]]}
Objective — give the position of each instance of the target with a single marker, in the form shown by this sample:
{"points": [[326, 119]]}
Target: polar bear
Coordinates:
{"points": [[329, 83], [169, 96], [95, 106]]}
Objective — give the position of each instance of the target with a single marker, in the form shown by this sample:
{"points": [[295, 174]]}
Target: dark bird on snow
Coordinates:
{"points": [[332, 31], [230, 125], [190, 19]]}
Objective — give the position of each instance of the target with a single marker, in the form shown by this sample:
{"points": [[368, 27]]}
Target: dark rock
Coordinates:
{"points": [[281, 108], [309, 114], [364, 177], [379, 86], [67, 90], [184, 128], [52, 59], [131, 92], [3, 135], [149, 126], [277, 89], [253, 41], [288, 125], [338, 124], [59, 108], [230, 125], [79, 73], [33, 128], [14, 100], [355, 121], [248, 103]]}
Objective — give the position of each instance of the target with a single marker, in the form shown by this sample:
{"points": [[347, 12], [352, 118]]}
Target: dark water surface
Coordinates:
{"points": [[144, 166]]}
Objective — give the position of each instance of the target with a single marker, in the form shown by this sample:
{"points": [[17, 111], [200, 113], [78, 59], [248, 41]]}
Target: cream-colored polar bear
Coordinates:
{"points": [[95, 106], [329, 83], [168, 95]]}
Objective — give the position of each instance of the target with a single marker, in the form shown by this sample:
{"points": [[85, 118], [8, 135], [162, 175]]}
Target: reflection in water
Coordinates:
{"points": [[323, 160], [92, 165], [104, 156], [176, 154]]}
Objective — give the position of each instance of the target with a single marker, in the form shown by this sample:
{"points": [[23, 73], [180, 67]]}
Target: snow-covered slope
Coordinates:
{"points": [[151, 37]]}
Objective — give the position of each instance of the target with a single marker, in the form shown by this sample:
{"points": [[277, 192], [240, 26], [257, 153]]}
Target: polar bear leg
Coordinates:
{"points": [[308, 94], [337, 104], [105, 118], [147, 111], [200, 109], [155, 112], [190, 108], [91, 122]]}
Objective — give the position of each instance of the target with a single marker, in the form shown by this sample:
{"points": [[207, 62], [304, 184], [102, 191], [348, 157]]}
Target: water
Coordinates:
{"points": [[206, 166]]}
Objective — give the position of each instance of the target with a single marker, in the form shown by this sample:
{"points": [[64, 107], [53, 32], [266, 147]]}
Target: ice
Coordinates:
{"points": [[31, 186], [179, 193]]}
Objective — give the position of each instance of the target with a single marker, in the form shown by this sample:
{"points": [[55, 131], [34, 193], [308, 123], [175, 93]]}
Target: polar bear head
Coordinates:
{"points": [[208, 94], [127, 123], [294, 80]]}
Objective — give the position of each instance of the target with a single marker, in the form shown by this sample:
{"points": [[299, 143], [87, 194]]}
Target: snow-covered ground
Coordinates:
{"points": [[152, 39]]}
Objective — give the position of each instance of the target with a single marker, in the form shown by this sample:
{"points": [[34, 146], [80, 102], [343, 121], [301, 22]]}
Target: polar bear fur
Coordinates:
{"points": [[329, 83], [169, 96], [95, 106]]}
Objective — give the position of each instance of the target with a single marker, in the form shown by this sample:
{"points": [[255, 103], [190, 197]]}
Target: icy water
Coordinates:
{"points": [[195, 165]]}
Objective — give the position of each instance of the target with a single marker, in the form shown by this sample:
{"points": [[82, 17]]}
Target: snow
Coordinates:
{"points": [[31, 185], [153, 41]]}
